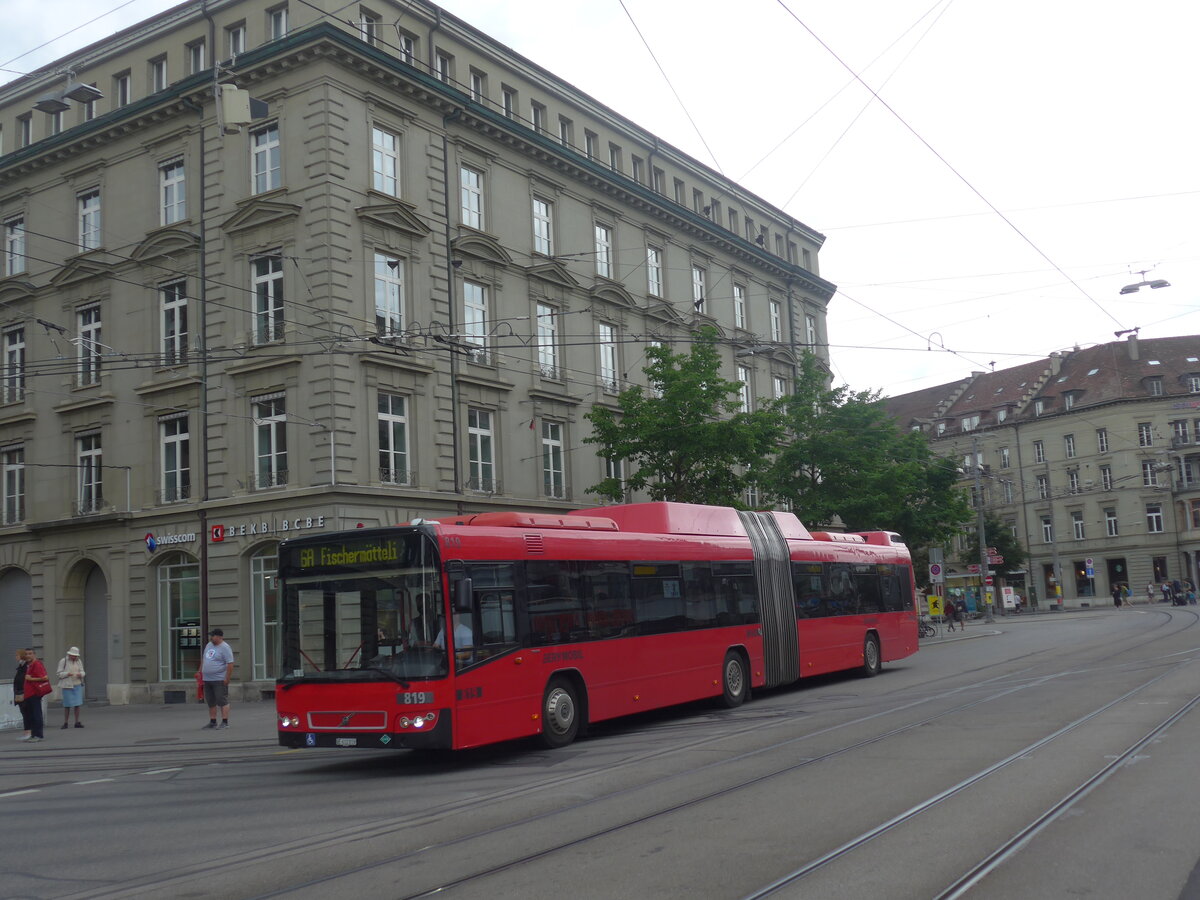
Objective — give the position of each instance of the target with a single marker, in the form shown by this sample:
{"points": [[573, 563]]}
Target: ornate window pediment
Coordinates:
{"points": [[396, 215], [480, 246], [553, 272], [257, 212], [15, 291], [82, 268], [665, 312], [614, 294], [165, 242]]}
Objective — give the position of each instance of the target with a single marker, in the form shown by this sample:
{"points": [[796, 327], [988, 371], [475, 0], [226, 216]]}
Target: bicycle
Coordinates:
{"points": [[925, 629]]}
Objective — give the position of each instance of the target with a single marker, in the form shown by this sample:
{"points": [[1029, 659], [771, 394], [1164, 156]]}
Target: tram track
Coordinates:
{"points": [[382, 829]]}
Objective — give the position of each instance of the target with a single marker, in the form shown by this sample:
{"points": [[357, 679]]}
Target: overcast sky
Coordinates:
{"points": [[1026, 157]]}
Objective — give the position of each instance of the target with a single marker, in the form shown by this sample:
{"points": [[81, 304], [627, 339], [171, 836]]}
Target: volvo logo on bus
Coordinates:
{"points": [[346, 719]]}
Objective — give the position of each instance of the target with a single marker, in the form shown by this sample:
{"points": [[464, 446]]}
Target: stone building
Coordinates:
{"points": [[355, 272], [1091, 454]]}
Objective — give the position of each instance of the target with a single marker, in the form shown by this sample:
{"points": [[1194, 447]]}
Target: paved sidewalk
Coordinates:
{"points": [[146, 724]]}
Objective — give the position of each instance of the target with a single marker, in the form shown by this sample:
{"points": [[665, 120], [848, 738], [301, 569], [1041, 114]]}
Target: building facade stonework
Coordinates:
{"points": [[1089, 455], [395, 292]]}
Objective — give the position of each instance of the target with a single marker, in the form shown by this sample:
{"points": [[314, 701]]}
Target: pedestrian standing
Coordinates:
{"points": [[19, 695], [1166, 592], [216, 668], [37, 686], [1116, 595], [951, 614], [70, 685], [1150, 592]]}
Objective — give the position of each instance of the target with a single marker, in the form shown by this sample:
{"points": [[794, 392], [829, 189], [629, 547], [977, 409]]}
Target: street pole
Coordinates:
{"points": [[981, 530], [1054, 563]]}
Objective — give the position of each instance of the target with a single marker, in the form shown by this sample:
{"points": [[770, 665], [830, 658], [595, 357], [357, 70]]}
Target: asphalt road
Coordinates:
{"points": [[1047, 756]]}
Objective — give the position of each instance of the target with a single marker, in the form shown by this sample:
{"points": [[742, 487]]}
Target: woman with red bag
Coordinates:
{"points": [[37, 686]]}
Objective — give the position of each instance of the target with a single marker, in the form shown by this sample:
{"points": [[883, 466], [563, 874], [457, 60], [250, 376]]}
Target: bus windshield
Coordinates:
{"points": [[380, 622]]}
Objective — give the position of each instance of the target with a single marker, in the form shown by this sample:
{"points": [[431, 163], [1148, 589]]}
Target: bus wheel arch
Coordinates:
{"points": [[564, 709], [735, 678], [872, 655]]}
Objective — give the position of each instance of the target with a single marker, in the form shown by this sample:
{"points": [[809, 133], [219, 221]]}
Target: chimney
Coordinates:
{"points": [[1133, 346], [1055, 363]]}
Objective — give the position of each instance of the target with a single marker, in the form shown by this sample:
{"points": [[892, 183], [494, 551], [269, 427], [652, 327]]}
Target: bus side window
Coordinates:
{"points": [[699, 594], [604, 587], [737, 593], [866, 585], [553, 604], [806, 583], [841, 596], [658, 597]]}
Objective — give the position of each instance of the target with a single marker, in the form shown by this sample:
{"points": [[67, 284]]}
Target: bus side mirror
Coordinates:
{"points": [[463, 594]]}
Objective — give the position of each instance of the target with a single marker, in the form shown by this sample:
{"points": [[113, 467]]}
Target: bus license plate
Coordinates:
{"points": [[414, 698], [346, 742]]}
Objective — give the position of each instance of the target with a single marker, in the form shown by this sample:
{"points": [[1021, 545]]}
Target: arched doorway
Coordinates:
{"points": [[95, 634]]}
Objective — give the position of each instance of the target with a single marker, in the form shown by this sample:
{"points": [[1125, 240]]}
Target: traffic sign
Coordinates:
{"points": [[935, 573], [973, 568], [987, 579], [994, 559]]}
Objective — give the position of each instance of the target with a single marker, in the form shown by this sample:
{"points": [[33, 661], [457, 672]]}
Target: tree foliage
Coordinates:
{"points": [[686, 439], [999, 536], [845, 457]]}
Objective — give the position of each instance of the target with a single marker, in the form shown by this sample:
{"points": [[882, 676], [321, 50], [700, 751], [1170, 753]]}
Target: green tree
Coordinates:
{"points": [[845, 457], [999, 536], [687, 438]]}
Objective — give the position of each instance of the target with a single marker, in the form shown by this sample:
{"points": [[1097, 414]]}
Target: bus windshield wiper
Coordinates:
{"points": [[390, 674]]}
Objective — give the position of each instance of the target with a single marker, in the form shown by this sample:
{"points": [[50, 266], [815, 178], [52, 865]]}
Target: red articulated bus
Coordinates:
{"points": [[504, 625]]}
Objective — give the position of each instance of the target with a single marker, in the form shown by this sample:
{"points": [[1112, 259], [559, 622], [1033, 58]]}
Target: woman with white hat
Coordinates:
{"points": [[70, 683]]}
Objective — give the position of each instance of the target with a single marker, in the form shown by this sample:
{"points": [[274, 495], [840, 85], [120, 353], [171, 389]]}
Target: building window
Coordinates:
{"points": [[565, 129], [89, 462], [89, 108], [25, 130], [1149, 473], [1039, 406], [1195, 513], [393, 439], [89, 220], [475, 318], [196, 57], [543, 222], [471, 197], [172, 185], [1193, 384], [481, 464], [1154, 386], [637, 169], [776, 315], [385, 162], [14, 364], [1069, 445], [658, 181], [158, 74], [389, 295], [1106, 479], [369, 25], [1002, 414], [739, 306], [654, 271], [1073, 481], [698, 201], [614, 157], [264, 602], [778, 387], [14, 246], [553, 480], [1039, 452], [508, 102], [264, 157], [1102, 440], [1111, 527], [607, 345], [12, 459], [443, 67], [537, 117], [969, 423], [270, 442], [180, 644], [88, 353], [121, 90], [56, 122], [1145, 434], [173, 302], [1077, 525], [1047, 530], [478, 85], [614, 469], [236, 35], [604, 266], [699, 294], [175, 445], [1068, 401], [810, 330], [1154, 518], [277, 23], [743, 377], [1005, 458], [267, 284], [1008, 491], [1179, 431], [1043, 486], [547, 340], [407, 45], [591, 144]]}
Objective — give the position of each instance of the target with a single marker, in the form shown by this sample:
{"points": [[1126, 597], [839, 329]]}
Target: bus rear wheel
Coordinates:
{"points": [[872, 658], [560, 714], [734, 680]]}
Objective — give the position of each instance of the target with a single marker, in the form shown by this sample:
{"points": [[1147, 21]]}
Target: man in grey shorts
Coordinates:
{"points": [[216, 668]]}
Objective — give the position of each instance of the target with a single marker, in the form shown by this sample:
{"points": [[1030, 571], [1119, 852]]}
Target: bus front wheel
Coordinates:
{"points": [[735, 681], [872, 658], [560, 714]]}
